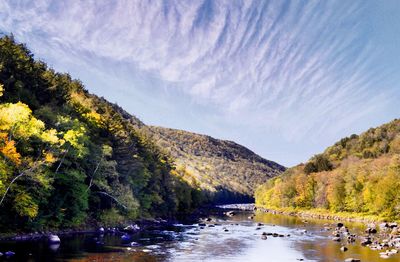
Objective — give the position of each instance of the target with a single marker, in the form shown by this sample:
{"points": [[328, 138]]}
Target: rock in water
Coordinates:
{"points": [[337, 239], [125, 237], [132, 228], [230, 213], [54, 239]]}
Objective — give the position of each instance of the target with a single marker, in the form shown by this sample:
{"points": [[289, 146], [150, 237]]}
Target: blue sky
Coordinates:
{"points": [[284, 78]]}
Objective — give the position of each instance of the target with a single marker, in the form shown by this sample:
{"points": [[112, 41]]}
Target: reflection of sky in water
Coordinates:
{"points": [[241, 243]]}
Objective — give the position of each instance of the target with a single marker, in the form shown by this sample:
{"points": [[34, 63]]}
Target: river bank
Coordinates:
{"points": [[137, 226], [311, 213]]}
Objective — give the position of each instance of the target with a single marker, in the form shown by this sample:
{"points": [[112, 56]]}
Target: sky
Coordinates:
{"points": [[283, 78]]}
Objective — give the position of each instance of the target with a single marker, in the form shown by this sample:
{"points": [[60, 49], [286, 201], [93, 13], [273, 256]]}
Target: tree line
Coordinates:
{"points": [[71, 159]]}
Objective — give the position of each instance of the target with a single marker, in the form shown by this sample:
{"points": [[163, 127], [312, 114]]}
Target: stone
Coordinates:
{"points": [[230, 213], [337, 239], [352, 260], [208, 219], [343, 249], [370, 230], [125, 237], [366, 242], [54, 239], [339, 225], [264, 237], [132, 228], [9, 253]]}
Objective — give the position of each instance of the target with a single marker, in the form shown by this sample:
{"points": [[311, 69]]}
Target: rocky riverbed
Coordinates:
{"points": [[224, 235]]}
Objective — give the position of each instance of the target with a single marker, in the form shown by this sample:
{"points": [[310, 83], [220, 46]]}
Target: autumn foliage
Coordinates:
{"points": [[359, 174]]}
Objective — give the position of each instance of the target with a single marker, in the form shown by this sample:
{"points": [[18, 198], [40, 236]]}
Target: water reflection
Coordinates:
{"points": [[224, 239]]}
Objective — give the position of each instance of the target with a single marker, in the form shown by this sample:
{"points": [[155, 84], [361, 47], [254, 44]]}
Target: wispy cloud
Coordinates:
{"points": [[292, 66]]}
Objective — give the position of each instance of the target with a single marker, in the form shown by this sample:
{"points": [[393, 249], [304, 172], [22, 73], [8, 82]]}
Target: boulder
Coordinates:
{"points": [[132, 228], [343, 249], [54, 239]]}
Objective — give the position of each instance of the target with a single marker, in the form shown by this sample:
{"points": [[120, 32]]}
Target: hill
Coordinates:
{"points": [[227, 171], [71, 159], [358, 174]]}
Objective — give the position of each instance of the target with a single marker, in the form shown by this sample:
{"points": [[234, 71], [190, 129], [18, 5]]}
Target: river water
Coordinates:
{"points": [[236, 238]]}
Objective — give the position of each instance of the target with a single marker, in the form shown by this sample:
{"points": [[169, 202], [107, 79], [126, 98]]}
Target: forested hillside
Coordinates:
{"points": [[69, 158], [226, 170], [358, 174]]}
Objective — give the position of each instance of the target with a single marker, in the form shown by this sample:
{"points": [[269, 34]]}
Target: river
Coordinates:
{"points": [[236, 238]]}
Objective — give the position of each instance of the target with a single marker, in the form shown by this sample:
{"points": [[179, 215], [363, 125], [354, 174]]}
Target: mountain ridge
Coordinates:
{"points": [[213, 157]]}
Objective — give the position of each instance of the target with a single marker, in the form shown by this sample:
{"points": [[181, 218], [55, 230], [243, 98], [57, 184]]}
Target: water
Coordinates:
{"points": [[232, 239]]}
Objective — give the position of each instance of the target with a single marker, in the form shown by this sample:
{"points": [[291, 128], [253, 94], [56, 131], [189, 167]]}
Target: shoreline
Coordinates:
{"points": [[311, 213], [325, 215], [143, 225]]}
